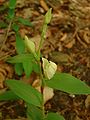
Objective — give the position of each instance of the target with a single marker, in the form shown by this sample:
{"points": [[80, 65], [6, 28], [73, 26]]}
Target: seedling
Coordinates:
{"points": [[30, 60], [13, 23]]}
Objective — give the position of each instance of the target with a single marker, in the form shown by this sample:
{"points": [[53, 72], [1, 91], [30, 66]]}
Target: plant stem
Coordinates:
{"points": [[7, 32], [42, 89], [42, 37]]}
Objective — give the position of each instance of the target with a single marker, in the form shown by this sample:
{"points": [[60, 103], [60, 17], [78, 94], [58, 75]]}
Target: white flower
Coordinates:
{"points": [[30, 45], [49, 68]]}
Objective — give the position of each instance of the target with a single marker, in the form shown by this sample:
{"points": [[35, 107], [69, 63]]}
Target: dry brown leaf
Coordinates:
{"points": [[63, 38], [86, 37], [48, 92], [23, 32], [2, 78], [59, 57], [27, 13], [2, 37], [44, 5], [80, 41], [6, 71], [1, 2], [87, 101], [70, 44]]}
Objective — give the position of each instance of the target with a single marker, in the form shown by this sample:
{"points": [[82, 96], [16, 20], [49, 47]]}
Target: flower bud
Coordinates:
{"points": [[49, 68], [30, 45], [48, 16]]}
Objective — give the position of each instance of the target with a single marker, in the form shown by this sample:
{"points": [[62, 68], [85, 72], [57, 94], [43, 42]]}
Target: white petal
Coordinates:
{"points": [[45, 62]]}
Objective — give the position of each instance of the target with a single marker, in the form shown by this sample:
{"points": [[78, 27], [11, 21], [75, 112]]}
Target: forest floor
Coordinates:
{"points": [[67, 44]]}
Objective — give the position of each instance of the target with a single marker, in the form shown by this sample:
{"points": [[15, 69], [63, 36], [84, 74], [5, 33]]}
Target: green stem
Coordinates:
{"points": [[42, 37], [42, 89]]}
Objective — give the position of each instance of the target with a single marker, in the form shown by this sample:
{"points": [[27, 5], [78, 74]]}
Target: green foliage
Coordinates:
{"points": [[25, 92], [11, 13], [28, 67], [12, 4], [36, 67], [48, 16], [26, 62], [24, 21], [15, 27], [3, 24], [34, 113], [68, 83], [54, 116], [20, 46], [8, 95], [18, 68], [20, 58]]}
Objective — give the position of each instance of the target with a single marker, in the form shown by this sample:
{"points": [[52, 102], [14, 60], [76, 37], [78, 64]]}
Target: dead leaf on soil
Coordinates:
{"points": [[6, 72], [87, 102], [48, 92], [44, 5], [70, 44], [59, 57]]}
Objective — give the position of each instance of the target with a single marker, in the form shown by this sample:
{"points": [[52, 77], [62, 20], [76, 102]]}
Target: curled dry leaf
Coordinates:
{"points": [[6, 71], [2, 78], [86, 37], [70, 44], [48, 94], [87, 102], [2, 37], [63, 38], [44, 5]]}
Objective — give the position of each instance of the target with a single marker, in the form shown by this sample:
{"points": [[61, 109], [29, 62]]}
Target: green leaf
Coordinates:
{"points": [[12, 4], [54, 116], [15, 27], [11, 13], [25, 21], [3, 24], [20, 46], [36, 67], [34, 113], [28, 67], [8, 95], [25, 92], [68, 83], [20, 58], [19, 68]]}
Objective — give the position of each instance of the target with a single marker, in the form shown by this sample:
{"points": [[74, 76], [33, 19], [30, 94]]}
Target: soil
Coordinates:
{"points": [[67, 44]]}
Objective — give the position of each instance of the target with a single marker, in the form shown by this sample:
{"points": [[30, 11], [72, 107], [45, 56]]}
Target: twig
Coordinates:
{"points": [[80, 41], [6, 55], [6, 35]]}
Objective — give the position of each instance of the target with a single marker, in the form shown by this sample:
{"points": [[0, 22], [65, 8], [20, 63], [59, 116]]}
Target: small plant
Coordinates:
{"points": [[31, 60], [13, 22]]}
